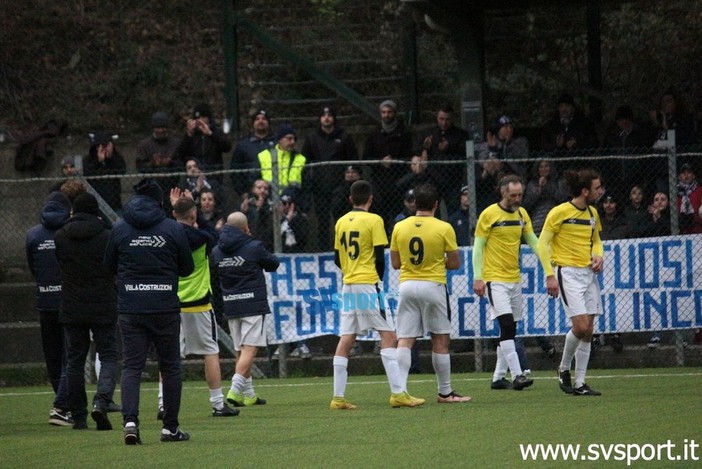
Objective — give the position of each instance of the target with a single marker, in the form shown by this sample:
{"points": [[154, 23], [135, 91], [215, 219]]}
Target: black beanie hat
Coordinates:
{"points": [[86, 203], [283, 130], [328, 110], [150, 188]]}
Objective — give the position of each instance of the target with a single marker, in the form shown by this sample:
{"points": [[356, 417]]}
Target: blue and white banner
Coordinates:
{"points": [[648, 284]]}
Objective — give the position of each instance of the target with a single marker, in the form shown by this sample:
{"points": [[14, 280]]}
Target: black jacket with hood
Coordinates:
{"points": [[239, 261], [89, 295], [148, 252]]}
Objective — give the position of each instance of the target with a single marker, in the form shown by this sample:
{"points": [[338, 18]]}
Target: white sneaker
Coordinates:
{"points": [[526, 372]]}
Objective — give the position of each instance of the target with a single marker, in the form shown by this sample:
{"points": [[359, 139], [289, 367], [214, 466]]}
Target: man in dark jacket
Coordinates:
{"points": [[148, 252], [239, 261], [40, 249], [245, 154], [204, 140], [391, 143], [88, 304], [328, 142], [104, 160]]}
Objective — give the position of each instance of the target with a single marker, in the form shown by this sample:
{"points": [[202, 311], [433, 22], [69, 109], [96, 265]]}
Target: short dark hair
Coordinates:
{"points": [[447, 108], [425, 196], [183, 206], [577, 180], [360, 192]]}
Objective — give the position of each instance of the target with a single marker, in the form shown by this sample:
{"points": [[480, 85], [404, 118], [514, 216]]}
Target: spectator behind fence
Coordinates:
{"points": [[245, 156], [196, 181], [418, 174], [637, 213], [543, 192], [340, 202], [624, 136], [390, 142], [245, 300], [210, 208], [104, 160], [157, 152], [671, 115], [198, 327], [294, 229], [689, 203], [291, 165], [294, 225], [568, 130], [258, 210], [204, 140], [327, 142], [445, 142], [460, 221], [494, 157], [68, 171], [659, 212], [615, 225], [44, 267], [148, 249], [88, 309]]}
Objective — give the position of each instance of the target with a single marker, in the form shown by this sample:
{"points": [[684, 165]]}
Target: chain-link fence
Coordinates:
{"points": [[651, 285]]}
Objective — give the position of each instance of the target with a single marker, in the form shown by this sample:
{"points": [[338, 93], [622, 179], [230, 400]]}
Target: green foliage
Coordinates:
{"points": [[297, 429]]}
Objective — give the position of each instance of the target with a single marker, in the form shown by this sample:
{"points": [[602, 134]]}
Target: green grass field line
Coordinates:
{"points": [[297, 429]]}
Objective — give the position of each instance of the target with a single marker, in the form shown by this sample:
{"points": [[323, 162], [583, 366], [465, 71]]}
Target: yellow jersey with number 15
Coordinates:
{"points": [[356, 235], [422, 243]]}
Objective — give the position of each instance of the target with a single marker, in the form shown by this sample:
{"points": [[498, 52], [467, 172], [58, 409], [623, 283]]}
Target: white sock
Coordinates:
{"points": [[341, 375], [238, 383], [160, 395], [582, 357], [571, 343], [217, 398], [248, 387], [392, 369], [442, 368], [509, 351], [500, 365], [98, 366], [404, 362]]}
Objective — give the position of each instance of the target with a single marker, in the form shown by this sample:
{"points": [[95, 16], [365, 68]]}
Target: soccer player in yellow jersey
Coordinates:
{"points": [[359, 243], [498, 238], [423, 247], [572, 232]]}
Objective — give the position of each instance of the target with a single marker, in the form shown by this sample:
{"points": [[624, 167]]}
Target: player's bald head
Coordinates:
{"points": [[237, 220]]}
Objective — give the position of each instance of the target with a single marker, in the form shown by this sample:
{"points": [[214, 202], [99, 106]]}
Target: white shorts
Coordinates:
{"points": [[198, 334], [249, 330], [361, 310], [422, 307], [504, 298], [580, 291]]}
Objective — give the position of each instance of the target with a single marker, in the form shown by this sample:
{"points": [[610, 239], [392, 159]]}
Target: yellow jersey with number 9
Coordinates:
{"points": [[422, 243]]}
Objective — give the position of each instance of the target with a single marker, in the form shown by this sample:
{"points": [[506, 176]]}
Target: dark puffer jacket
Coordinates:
{"points": [[89, 294], [148, 252], [238, 260], [41, 254]]}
